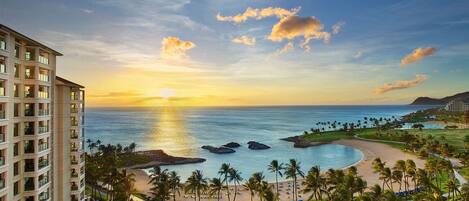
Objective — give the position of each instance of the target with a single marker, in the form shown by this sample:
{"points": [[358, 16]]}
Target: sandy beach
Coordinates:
{"points": [[371, 150]]}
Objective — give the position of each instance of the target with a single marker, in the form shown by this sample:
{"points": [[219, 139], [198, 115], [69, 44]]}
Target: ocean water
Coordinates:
{"points": [[182, 131]]}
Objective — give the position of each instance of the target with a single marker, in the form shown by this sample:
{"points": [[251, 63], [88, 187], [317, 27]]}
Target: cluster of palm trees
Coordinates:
{"points": [[367, 122], [102, 172]]}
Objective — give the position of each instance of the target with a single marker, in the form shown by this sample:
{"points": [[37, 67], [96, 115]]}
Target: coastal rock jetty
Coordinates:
{"points": [[257, 146], [160, 158], [298, 142], [232, 145], [218, 150]]}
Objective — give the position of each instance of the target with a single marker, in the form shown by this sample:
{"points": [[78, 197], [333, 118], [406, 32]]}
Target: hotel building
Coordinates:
{"points": [[457, 105], [41, 124]]}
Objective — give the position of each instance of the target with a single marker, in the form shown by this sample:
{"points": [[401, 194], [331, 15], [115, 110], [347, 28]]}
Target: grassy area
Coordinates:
{"points": [[328, 136], [464, 172], [454, 137]]}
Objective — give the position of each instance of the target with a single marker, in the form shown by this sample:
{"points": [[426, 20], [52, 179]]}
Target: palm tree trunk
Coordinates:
{"points": [[218, 195], [294, 189], [227, 188], [276, 181], [235, 191]]}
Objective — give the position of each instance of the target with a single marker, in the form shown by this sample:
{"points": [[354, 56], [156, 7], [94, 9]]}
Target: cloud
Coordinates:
{"points": [[401, 84], [417, 55], [258, 14], [294, 26], [175, 48], [337, 27], [87, 11], [285, 49], [246, 40], [358, 54]]}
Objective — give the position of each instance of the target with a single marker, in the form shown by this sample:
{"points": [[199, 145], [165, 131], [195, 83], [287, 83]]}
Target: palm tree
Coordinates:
{"points": [[196, 184], [265, 193], [376, 191], [126, 184], [314, 183], [235, 177], [292, 172], [175, 183], [276, 167], [159, 180], [251, 185], [400, 165], [216, 185], [397, 178], [224, 172], [452, 188], [386, 176]]}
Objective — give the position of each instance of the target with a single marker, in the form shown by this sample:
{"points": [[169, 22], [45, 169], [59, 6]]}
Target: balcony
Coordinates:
{"points": [[3, 68], [74, 136], [74, 110], [29, 112], [3, 44], [2, 160], [29, 149], [43, 163], [43, 146], [2, 184], [43, 77], [43, 181], [74, 187], [2, 137], [44, 196], [74, 162], [74, 149], [74, 123], [43, 60], [29, 167], [74, 175], [29, 131], [2, 91], [43, 112], [43, 129], [29, 185], [2, 114]]}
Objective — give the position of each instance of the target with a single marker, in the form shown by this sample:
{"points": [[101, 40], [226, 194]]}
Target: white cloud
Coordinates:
{"points": [[337, 27], [246, 40], [258, 14]]}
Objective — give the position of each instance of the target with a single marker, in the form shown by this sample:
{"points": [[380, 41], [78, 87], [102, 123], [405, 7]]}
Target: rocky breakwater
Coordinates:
{"points": [[257, 146], [299, 142], [218, 150], [159, 158]]}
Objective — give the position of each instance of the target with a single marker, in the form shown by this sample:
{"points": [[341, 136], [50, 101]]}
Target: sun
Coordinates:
{"points": [[166, 93]]}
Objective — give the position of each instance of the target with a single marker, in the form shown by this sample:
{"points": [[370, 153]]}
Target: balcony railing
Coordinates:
{"points": [[43, 112], [2, 91], [74, 149], [43, 60], [29, 130], [29, 56], [2, 160], [74, 175], [74, 110], [43, 129], [3, 68], [74, 187], [43, 77], [43, 94], [2, 137], [3, 44], [44, 196], [43, 146], [43, 182], [43, 163], [74, 136], [74, 122], [28, 94], [29, 149], [29, 112], [2, 183]]}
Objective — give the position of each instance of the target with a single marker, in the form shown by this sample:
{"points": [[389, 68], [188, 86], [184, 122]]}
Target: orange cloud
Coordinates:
{"points": [[285, 49], [258, 14], [401, 84], [246, 40], [417, 55], [175, 48], [294, 26]]}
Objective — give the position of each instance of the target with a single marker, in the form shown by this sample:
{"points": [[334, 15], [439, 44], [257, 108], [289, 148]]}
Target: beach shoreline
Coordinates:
{"points": [[370, 151]]}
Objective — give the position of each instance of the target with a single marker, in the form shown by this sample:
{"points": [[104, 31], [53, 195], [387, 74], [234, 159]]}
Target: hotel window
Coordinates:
{"points": [[44, 75], [43, 92], [17, 51], [29, 72], [29, 91], [16, 149], [43, 162], [3, 43], [29, 128], [16, 188], [29, 54], [29, 184], [2, 110], [16, 110], [2, 181], [73, 121], [2, 157], [43, 57], [29, 147], [43, 126], [44, 195], [2, 87], [43, 109], [29, 109], [28, 165], [17, 70], [16, 88], [16, 130], [3, 67], [3, 130], [74, 108], [16, 168]]}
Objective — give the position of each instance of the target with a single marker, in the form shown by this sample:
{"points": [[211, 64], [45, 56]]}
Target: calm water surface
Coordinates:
{"points": [[182, 131]]}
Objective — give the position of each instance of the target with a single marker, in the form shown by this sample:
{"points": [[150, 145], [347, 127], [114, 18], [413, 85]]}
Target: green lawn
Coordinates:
{"points": [[454, 137], [328, 136]]}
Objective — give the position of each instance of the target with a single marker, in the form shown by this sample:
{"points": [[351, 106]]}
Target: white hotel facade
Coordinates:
{"points": [[41, 124]]}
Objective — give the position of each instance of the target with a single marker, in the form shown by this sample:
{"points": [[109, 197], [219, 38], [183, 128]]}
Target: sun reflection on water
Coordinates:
{"points": [[170, 133]]}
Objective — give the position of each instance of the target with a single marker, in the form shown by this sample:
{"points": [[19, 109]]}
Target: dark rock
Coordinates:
{"points": [[218, 150], [257, 146], [232, 145]]}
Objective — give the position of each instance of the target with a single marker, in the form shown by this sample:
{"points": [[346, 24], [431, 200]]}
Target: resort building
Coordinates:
{"points": [[457, 105], [41, 118]]}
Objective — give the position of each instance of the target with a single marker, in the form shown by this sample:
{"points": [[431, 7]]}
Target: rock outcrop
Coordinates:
{"points": [[257, 146], [232, 145], [218, 150], [300, 143]]}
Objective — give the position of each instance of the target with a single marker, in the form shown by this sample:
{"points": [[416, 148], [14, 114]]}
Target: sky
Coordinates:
{"points": [[252, 52]]}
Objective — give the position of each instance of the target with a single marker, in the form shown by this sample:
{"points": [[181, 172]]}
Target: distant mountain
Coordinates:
{"points": [[442, 101]]}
